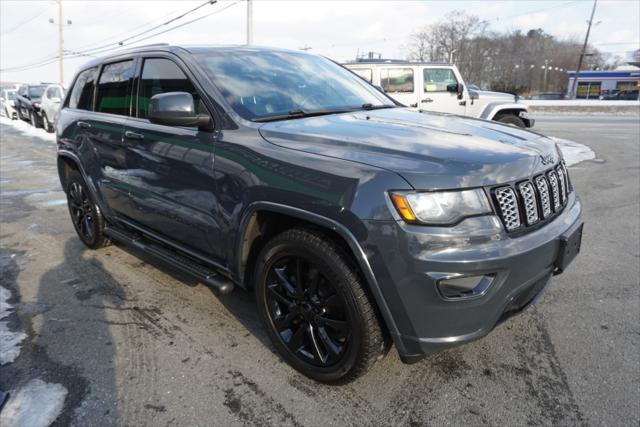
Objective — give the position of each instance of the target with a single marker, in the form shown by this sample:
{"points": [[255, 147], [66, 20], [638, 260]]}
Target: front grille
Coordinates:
{"points": [[530, 202]]}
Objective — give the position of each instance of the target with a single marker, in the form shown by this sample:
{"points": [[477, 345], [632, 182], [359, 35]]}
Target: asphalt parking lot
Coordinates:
{"points": [[134, 343]]}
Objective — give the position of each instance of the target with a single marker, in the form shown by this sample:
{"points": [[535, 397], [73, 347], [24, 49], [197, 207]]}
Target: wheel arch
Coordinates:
{"points": [[492, 110], [265, 219]]}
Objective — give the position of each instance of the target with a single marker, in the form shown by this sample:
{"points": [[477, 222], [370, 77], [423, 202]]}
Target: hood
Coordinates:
{"points": [[431, 151], [486, 95]]}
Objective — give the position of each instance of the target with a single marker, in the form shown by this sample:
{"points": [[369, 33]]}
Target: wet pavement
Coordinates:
{"points": [[135, 343]]}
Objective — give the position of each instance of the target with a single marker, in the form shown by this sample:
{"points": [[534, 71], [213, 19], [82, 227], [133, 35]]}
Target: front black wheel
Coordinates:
{"points": [[315, 308], [510, 119], [85, 214], [46, 124], [34, 119]]}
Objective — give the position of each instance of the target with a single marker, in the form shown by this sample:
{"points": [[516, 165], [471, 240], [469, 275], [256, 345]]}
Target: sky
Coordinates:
{"points": [[338, 29]]}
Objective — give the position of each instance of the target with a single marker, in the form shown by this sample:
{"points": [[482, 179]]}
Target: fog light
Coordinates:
{"points": [[464, 286]]}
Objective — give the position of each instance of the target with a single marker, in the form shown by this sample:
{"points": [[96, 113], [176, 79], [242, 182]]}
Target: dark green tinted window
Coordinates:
{"points": [[82, 92], [160, 76], [113, 88]]}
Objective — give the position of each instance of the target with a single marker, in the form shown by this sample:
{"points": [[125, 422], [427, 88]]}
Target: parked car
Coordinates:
{"points": [[7, 100], [623, 95], [548, 96], [27, 103], [50, 104], [438, 87], [356, 222]]}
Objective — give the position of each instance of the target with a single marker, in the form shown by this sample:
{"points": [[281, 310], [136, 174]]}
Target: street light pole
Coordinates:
{"points": [[249, 22], [546, 68], [584, 48], [60, 42]]}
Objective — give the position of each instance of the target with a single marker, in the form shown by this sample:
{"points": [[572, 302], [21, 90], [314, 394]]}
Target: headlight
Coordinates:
{"points": [[440, 207], [36, 104]]}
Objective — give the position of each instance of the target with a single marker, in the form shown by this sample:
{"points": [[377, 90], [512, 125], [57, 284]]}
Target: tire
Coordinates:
{"points": [[46, 124], [328, 328], [34, 119], [85, 214], [510, 119]]}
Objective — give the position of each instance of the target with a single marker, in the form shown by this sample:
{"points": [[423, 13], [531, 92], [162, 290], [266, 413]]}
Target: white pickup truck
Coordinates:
{"points": [[439, 87]]}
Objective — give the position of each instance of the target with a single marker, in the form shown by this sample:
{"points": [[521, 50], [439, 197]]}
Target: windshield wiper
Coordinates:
{"points": [[297, 114], [376, 107]]}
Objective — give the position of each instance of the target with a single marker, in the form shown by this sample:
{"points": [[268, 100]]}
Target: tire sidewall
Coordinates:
{"points": [[76, 177], [279, 248], [511, 119]]}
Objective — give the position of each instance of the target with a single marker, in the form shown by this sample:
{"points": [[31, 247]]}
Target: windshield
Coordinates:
{"points": [[11, 95], [262, 84], [36, 91]]}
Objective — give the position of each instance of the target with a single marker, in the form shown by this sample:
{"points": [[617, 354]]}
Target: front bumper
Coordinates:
{"points": [[408, 260]]}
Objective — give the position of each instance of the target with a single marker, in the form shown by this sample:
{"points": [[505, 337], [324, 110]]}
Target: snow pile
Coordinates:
{"points": [[579, 103], [36, 404], [574, 152], [9, 340], [28, 130]]}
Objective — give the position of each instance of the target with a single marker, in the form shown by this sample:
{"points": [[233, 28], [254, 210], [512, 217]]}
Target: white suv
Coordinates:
{"points": [[440, 88], [50, 104]]}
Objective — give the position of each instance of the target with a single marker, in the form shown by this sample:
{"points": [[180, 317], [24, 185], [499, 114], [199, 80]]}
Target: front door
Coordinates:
{"points": [[434, 95], [170, 168]]}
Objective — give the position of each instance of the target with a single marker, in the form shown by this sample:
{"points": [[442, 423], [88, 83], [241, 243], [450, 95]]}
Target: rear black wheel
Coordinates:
{"points": [[85, 214], [316, 310]]}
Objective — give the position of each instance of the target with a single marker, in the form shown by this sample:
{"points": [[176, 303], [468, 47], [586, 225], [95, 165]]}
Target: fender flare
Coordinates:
{"points": [[493, 108], [342, 231]]}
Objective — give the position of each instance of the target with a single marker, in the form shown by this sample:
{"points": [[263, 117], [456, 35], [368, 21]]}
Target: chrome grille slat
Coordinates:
{"points": [[555, 191], [530, 204], [509, 209], [543, 190], [563, 184]]}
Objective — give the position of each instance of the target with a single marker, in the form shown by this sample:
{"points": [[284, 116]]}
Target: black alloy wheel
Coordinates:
{"points": [[315, 307], [85, 214], [306, 311]]}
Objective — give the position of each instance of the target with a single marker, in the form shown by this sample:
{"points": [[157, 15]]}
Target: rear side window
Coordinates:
{"points": [[81, 96], [365, 73], [161, 75], [113, 88], [396, 79]]}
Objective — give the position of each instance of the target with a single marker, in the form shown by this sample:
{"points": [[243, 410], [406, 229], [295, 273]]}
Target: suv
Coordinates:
{"points": [[27, 103], [437, 87], [356, 223], [7, 103], [50, 104]]}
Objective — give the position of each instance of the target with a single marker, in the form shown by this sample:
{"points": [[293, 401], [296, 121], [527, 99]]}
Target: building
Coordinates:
{"points": [[593, 83]]}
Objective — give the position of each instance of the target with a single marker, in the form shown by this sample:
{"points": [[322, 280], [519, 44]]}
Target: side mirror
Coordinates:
{"points": [[452, 87], [56, 100], [176, 109]]}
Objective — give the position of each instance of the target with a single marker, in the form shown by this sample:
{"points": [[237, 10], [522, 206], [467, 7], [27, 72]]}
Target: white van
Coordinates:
{"points": [[440, 88]]}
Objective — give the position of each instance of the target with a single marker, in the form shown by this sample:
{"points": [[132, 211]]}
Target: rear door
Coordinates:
{"points": [[173, 188], [105, 127], [434, 95], [401, 84]]}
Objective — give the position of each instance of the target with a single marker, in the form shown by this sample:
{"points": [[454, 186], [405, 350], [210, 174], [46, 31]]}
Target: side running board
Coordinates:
{"points": [[206, 275]]}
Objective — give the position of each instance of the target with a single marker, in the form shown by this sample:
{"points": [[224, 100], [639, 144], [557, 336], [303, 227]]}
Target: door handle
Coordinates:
{"points": [[133, 135], [84, 125], [462, 103], [414, 105], [426, 100]]}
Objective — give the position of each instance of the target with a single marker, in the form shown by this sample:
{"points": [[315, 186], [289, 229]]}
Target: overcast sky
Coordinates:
{"points": [[336, 28]]}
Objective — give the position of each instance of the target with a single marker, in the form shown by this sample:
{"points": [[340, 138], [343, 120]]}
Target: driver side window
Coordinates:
{"points": [[437, 79], [160, 75]]}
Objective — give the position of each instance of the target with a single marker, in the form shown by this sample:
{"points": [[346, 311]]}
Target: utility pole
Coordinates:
{"points": [[249, 22], [60, 42], [582, 55]]}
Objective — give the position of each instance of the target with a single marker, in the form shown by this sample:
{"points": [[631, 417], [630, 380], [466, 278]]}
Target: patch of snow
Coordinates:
{"points": [[28, 130], [574, 152], [9, 340], [36, 404]]}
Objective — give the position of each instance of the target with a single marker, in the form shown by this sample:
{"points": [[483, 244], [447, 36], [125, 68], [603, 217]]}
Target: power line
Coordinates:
{"points": [[75, 54], [15, 27]]}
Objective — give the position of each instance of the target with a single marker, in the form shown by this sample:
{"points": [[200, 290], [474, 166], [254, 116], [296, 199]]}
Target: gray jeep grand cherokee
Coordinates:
{"points": [[356, 222]]}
